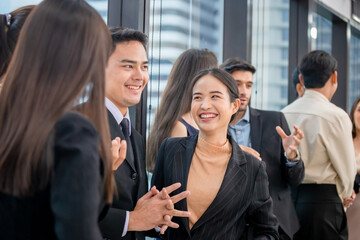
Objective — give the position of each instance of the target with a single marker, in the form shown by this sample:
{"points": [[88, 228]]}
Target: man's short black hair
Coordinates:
{"points": [[236, 64], [316, 68], [120, 34]]}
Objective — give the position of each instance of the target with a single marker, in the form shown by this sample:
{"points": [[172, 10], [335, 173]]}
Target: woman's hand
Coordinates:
{"points": [[118, 152]]}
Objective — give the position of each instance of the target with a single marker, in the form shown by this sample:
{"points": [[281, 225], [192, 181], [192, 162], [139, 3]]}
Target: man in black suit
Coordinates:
{"points": [[134, 210], [256, 129]]}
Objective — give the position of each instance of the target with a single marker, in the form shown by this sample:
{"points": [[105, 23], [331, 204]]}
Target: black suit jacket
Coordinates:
{"points": [[69, 207], [132, 184], [267, 142], [242, 198]]}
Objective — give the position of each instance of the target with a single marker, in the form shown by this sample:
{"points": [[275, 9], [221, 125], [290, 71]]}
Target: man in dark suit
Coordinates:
{"points": [[134, 210], [256, 129]]}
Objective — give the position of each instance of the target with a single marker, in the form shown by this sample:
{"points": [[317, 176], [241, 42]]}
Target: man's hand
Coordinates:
{"points": [[251, 151], [118, 150], [156, 209], [164, 195], [347, 202], [290, 143]]}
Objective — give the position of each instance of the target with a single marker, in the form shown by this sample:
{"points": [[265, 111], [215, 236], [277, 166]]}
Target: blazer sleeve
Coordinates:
{"points": [[75, 194], [261, 218], [112, 226], [295, 172]]}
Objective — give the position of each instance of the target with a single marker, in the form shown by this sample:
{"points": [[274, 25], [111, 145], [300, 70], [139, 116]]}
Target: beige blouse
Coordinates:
{"points": [[206, 174]]}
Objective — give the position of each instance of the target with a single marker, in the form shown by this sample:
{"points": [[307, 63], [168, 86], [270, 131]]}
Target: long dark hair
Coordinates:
{"points": [[10, 26], [352, 111], [62, 51], [174, 101]]}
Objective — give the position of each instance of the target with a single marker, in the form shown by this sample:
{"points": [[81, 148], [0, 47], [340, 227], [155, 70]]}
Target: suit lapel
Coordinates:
{"points": [[233, 182], [181, 167], [116, 132], [139, 160], [255, 129]]}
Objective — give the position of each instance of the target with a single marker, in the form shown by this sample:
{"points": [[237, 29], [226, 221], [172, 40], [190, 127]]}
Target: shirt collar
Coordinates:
{"points": [[116, 113], [315, 94]]}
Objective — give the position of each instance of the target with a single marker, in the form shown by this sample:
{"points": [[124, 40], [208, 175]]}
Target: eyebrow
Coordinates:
{"points": [[238, 80], [212, 92], [132, 61]]}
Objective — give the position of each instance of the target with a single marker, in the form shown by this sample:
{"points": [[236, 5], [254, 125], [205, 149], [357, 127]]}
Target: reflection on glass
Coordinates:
{"points": [[101, 6], [7, 6], [10, 5], [320, 33], [270, 47], [354, 87], [175, 26]]}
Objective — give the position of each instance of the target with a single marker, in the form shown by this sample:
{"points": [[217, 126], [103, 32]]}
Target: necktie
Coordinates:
{"points": [[129, 152]]}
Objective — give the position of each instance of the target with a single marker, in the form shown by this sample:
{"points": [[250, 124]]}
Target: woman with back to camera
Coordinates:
{"points": [[172, 118], [55, 162], [10, 26], [353, 213], [229, 187]]}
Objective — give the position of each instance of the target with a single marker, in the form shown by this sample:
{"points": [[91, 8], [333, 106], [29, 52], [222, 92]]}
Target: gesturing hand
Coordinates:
{"points": [[118, 150], [291, 142], [156, 209]]}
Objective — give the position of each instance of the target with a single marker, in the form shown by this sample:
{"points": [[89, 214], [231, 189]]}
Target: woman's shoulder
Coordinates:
{"points": [[74, 120], [72, 126]]}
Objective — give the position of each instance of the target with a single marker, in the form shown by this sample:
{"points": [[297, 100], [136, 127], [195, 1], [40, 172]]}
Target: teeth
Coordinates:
{"points": [[133, 87], [207, 115]]}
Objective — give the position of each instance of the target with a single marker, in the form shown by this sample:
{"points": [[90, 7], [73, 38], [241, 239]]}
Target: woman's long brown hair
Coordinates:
{"points": [[174, 100], [352, 112], [62, 52]]}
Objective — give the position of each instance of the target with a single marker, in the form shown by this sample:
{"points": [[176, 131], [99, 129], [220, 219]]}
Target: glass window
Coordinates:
{"points": [[270, 46], [320, 33], [354, 85], [9, 5], [101, 6], [175, 26]]}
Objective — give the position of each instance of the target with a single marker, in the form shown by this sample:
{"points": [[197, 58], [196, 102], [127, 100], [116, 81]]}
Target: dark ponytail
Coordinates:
{"points": [[10, 26]]}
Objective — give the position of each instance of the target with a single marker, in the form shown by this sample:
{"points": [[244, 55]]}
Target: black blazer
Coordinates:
{"points": [[242, 198], [132, 183], [267, 142], [69, 207]]}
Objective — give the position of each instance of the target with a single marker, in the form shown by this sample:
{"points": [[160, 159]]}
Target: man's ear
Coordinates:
{"points": [[333, 78], [301, 80]]}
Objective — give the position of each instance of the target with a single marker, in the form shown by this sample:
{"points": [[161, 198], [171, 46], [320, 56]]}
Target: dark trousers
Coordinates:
{"points": [[320, 212]]}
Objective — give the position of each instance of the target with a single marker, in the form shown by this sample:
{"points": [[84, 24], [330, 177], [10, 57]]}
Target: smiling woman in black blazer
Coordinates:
{"points": [[55, 162], [229, 188]]}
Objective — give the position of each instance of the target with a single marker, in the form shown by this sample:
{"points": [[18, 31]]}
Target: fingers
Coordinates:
{"points": [[163, 229], [298, 133], [154, 191], [180, 196], [281, 132], [178, 213], [148, 195], [122, 152], [172, 187]]}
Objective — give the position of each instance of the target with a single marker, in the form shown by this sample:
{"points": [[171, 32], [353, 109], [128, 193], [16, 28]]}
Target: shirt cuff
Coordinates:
{"points": [[291, 164], [126, 224]]}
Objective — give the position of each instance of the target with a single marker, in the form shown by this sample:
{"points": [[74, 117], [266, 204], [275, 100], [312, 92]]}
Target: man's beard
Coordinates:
{"points": [[242, 108]]}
